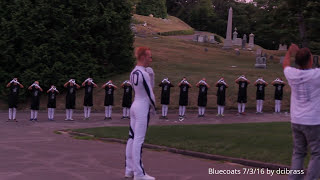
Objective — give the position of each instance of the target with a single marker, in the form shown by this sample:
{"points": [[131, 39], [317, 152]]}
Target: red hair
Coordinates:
{"points": [[141, 51], [303, 57]]}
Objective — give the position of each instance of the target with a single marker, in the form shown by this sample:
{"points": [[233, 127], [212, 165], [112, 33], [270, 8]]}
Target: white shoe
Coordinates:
{"points": [[145, 177], [128, 175]]}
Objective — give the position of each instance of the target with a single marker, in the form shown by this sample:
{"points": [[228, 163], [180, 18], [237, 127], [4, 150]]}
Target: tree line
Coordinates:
{"points": [[55, 40]]}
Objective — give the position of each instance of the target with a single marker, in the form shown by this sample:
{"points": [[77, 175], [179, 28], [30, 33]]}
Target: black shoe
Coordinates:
{"points": [[15, 120], [35, 119], [123, 117], [31, 119], [8, 120], [105, 118], [110, 118]]}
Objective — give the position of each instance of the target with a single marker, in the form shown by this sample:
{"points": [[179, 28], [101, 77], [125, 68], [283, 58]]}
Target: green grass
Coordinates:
{"points": [[175, 33], [267, 142]]}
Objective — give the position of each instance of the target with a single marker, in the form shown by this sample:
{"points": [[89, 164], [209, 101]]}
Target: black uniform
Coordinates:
{"points": [[52, 99], [35, 98], [260, 91], [165, 93], [13, 96], [108, 100], [71, 97], [88, 91], [221, 94], [183, 100], [278, 93], [242, 94], [202, 97], [127, 96]]}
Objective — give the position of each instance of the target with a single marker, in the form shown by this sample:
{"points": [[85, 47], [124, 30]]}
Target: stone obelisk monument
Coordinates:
{"points": [[228, 41]]}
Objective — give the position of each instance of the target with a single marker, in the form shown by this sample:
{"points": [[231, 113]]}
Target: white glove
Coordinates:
{"points": [[165, 80], [72, 81], [149, 70], [35, 85], [203, 82]]}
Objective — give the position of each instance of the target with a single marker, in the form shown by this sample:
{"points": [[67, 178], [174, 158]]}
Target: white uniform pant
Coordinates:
{"points": [[182, 110], [51, 113], [220, 109], [164, 110], [87, 111], [138, 127], [241, 107], [259, 105], [126, 112], [201, 110], [108, 111], [277, 106], [69, 113], [34, 114], [12, 113]]}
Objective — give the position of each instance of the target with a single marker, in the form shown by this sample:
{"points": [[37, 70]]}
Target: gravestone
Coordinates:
{"points": [[238, 42], [195, 37], [228, 42], [201, 39], [261, 62], [235, 36], [258, 52], [211, 39], [206, 38], [281, 59], [237, 52], [251, 41], [283, 47], [244, 41], [316, 61]]}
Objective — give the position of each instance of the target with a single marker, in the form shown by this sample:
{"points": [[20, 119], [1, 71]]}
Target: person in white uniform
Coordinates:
{"points": [[304, 112], [142, 80]]}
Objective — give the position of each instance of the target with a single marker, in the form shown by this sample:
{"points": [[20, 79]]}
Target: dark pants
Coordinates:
{"points": [[304, 136]]}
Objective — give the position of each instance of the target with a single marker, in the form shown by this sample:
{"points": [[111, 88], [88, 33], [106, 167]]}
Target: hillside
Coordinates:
{"points": [[175, 58], [158, 25]]}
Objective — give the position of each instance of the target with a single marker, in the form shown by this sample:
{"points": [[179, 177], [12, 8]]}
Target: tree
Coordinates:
{"points": [[54, 40], [155, 7]]}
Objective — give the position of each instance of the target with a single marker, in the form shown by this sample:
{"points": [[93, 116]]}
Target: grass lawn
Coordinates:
{"points": [[267, 142]]}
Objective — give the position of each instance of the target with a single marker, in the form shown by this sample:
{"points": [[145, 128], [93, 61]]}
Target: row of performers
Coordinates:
{"points": [[109, 87]]}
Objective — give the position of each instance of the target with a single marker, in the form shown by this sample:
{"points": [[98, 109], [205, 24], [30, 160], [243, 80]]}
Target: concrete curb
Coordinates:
{"points": [[244, 162]]}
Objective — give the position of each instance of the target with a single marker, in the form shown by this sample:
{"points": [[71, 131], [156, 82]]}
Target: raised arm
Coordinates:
{"points": [[30, 87], [78, 87], [66, 84], [293, 49]]}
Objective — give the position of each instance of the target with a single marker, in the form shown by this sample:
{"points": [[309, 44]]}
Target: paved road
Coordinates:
{"points": [[32, 151]]}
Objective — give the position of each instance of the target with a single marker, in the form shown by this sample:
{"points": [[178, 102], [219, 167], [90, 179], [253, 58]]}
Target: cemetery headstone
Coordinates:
{"points": [[261, 62], [201, 39]]}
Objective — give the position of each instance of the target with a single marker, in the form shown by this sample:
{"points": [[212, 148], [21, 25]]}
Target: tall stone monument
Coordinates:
{"points": [[251, 41], [228, 41]]}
